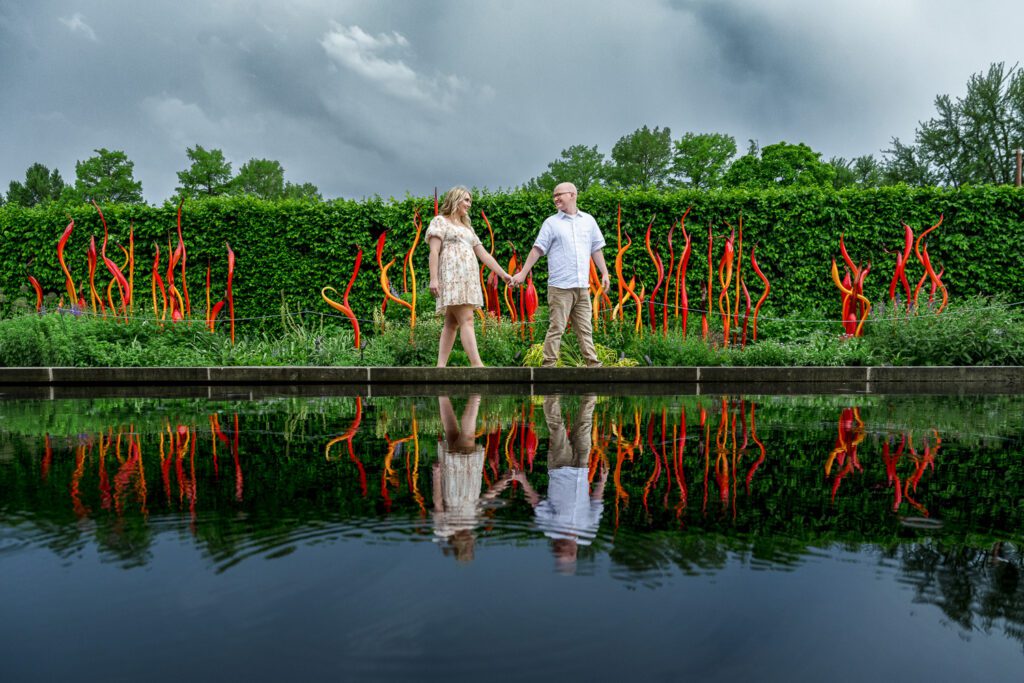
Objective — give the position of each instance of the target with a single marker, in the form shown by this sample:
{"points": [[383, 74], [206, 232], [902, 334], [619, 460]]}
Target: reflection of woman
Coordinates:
{"points": [[454, 279], [456, 478]]}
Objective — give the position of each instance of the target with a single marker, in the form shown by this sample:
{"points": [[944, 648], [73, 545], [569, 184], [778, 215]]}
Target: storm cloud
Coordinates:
{"points": [[388, 97]]}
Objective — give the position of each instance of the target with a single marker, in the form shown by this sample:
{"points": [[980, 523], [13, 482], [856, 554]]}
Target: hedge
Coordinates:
{"points": [[294, 248]]}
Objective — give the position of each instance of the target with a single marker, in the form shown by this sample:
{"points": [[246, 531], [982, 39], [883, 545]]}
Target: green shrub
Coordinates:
{"points": [[976, 331], [570, 356], [299, 247]]}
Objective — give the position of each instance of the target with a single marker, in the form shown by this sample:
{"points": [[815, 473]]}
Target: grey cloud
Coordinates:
{"points": [[483, 93]]}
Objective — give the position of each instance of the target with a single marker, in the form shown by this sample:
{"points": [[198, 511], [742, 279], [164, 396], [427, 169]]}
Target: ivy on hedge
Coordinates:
{"points": [[296, 248]]}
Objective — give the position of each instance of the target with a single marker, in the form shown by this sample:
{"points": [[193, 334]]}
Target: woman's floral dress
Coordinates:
{"points": [[458, 274]]}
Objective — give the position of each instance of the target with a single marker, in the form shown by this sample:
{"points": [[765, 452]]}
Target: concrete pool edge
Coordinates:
{"points": [[258, 381]]}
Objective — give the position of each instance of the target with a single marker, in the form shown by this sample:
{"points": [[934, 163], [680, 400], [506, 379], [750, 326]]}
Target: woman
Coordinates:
{"points": [[457, 477], [454, 275]]}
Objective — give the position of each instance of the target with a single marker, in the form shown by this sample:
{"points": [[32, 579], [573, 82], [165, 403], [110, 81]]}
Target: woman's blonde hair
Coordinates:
{"points": [[451, 199]]}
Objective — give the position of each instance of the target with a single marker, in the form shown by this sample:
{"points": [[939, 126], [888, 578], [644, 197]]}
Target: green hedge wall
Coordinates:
{"points": [[298, 247]]}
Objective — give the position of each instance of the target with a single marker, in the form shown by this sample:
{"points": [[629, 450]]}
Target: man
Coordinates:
{"points": [[570, 239], [571, 514]]}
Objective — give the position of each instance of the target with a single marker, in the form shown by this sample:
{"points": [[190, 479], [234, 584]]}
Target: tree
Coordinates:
{"points": [[780, 164], [643, 158], [581, 165], [209, 174], [41, 185], [305, 191], [263, 178], [903, 164], [700, 159], [862, 171], [867, 171], [845, 177], [972, 140], [107, 177]]}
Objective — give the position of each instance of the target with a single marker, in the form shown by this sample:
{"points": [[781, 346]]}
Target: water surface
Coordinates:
{"points": [[783, 538]]}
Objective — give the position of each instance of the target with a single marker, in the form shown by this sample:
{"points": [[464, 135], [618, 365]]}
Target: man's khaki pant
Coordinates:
{"points": [[565, 305], [572, 448]]}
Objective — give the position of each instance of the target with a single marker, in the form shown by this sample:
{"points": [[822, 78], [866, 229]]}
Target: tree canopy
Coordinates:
{"points": [[262, 178], [107, 177], [643, 158], [973, 139], [209, 174], [581, 165], [41, 185], [780, 164], [700, 159]]}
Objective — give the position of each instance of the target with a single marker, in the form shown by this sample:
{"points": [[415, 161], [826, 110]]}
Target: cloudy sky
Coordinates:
{"points": [[364, 97]]}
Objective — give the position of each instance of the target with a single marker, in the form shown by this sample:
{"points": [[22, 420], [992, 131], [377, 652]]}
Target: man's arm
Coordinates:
{"points": [[598, 257], [520, 277]]}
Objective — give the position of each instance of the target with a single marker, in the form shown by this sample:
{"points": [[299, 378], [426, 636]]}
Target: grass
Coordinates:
{"points": [[973, 331]]}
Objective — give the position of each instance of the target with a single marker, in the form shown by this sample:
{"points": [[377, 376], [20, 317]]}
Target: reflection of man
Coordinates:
{"points": [[571, 513]]}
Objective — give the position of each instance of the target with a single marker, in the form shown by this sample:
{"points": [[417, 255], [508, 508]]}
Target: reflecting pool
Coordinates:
{"points": [[513, 537]]}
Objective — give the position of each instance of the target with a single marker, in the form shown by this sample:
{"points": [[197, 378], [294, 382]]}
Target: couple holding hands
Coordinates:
{"points": [[569, 238]]}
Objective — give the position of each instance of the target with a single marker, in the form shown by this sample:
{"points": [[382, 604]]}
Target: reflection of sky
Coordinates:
{"points": [[402, 609]]}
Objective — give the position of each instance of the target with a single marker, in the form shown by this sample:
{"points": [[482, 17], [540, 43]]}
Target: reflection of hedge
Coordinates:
{"points": [[287, 479], [298, 247]]}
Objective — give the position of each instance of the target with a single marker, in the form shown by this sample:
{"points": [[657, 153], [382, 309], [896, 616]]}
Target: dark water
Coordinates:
{"points": [[572, 537]]}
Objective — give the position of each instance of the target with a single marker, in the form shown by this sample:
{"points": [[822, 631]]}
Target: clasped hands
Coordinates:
{"points": [[516, 280]]}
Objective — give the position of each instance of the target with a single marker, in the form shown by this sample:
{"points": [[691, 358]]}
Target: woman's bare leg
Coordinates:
{"points": [[448, 421], [447, 341], [469, 413], [468, 335]]}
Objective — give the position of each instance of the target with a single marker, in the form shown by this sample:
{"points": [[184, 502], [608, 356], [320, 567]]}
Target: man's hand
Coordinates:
{"points": [[606, 281], [517, 279]]}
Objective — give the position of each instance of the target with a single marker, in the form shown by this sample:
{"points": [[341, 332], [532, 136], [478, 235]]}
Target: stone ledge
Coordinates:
{"points": [[687, 379], [782, 375]]}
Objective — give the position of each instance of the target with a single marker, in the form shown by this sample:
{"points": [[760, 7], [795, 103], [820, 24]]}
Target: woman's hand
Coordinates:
{"points": [[506, 278], [435, 288]]}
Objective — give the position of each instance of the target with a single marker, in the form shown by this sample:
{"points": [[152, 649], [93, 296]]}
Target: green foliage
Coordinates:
{"points": [[390, 343], [209, 174], [570, 356], [299, 247], [106, 178], [904, 164], [973, 139], [654, 349], [971, 332], [863, 171], [304, 191], [263, 178], [700, 159], [581, 165], [643, 159], [780, 165], [41, 185]]}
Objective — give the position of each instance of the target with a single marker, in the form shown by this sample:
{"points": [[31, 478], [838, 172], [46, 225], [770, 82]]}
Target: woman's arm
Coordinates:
{"points": [[489, 261], [435, 251]]}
